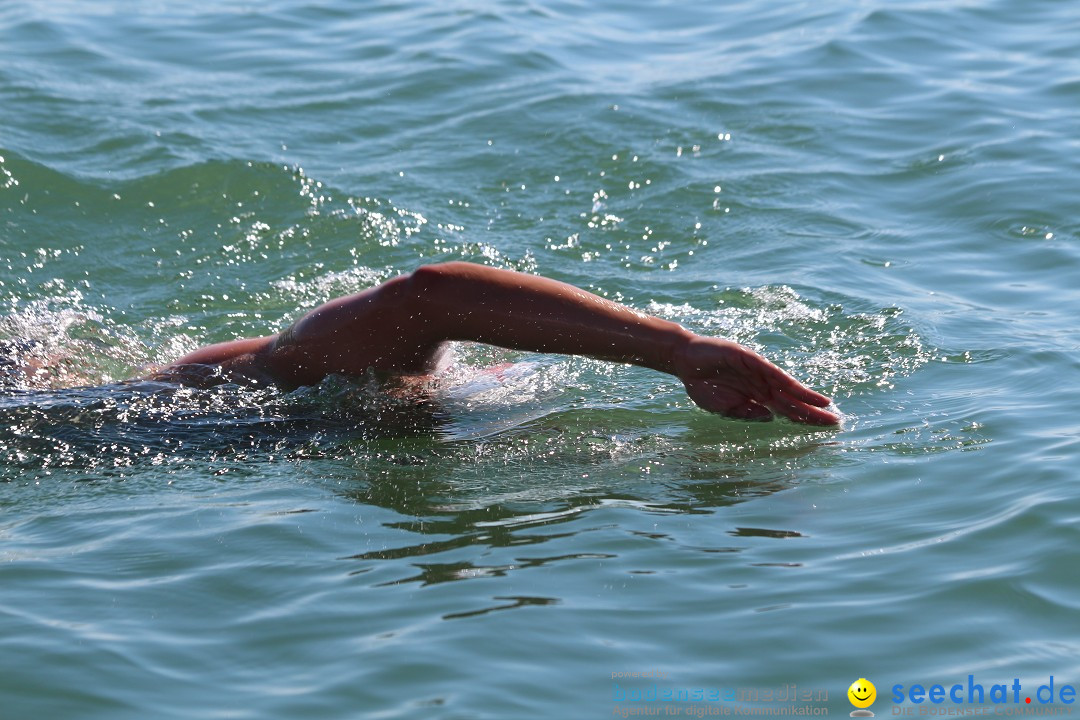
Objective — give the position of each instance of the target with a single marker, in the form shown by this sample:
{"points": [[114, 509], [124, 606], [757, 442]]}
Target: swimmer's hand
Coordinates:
{"points": [[726, 378]]}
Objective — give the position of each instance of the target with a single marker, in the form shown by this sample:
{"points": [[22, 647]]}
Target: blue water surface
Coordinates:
{"points": [[879, 195]]}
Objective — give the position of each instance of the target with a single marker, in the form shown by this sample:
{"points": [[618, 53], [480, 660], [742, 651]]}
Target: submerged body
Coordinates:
{"points": [[402, 326]]}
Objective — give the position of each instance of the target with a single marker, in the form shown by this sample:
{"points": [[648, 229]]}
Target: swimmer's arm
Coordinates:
{"points": [[227, 353], [401, 325], [211, 364]]}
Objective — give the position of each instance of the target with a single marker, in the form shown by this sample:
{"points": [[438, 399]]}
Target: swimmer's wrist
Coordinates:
{"points": [[672, 348]]}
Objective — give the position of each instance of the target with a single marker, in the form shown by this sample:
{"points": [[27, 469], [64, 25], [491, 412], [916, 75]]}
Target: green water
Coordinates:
{"points": [[880, 196]]}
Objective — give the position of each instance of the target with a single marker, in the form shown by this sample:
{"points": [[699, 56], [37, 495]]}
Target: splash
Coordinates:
{"points": [[59, 341], [838, 347], [140, 423]]}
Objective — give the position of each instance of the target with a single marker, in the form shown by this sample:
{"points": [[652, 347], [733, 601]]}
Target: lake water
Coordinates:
{"points": [[882, 196]]}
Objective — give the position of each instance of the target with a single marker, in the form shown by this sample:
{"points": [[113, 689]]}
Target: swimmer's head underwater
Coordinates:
{"points": [[22, 361], [401, 328]]}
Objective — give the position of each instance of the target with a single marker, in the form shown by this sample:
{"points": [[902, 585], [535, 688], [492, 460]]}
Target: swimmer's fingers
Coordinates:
{"points": [[787, 397], [749, 410], [784, 383], [727, 378], [725, 399], [794, 409]]}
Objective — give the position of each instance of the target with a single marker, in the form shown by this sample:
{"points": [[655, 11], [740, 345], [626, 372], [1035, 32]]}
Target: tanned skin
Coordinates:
{"points": [[402, 326]]}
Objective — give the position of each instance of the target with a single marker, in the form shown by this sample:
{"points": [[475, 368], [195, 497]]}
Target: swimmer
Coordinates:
{"points": [[402, 327]]}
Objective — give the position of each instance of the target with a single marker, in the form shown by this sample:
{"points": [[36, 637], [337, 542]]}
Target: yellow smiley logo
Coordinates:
{"points": [[862, 693]]}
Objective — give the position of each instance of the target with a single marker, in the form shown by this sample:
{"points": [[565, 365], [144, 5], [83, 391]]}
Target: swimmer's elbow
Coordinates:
{"points": [[435, 283], [429, 276]]}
